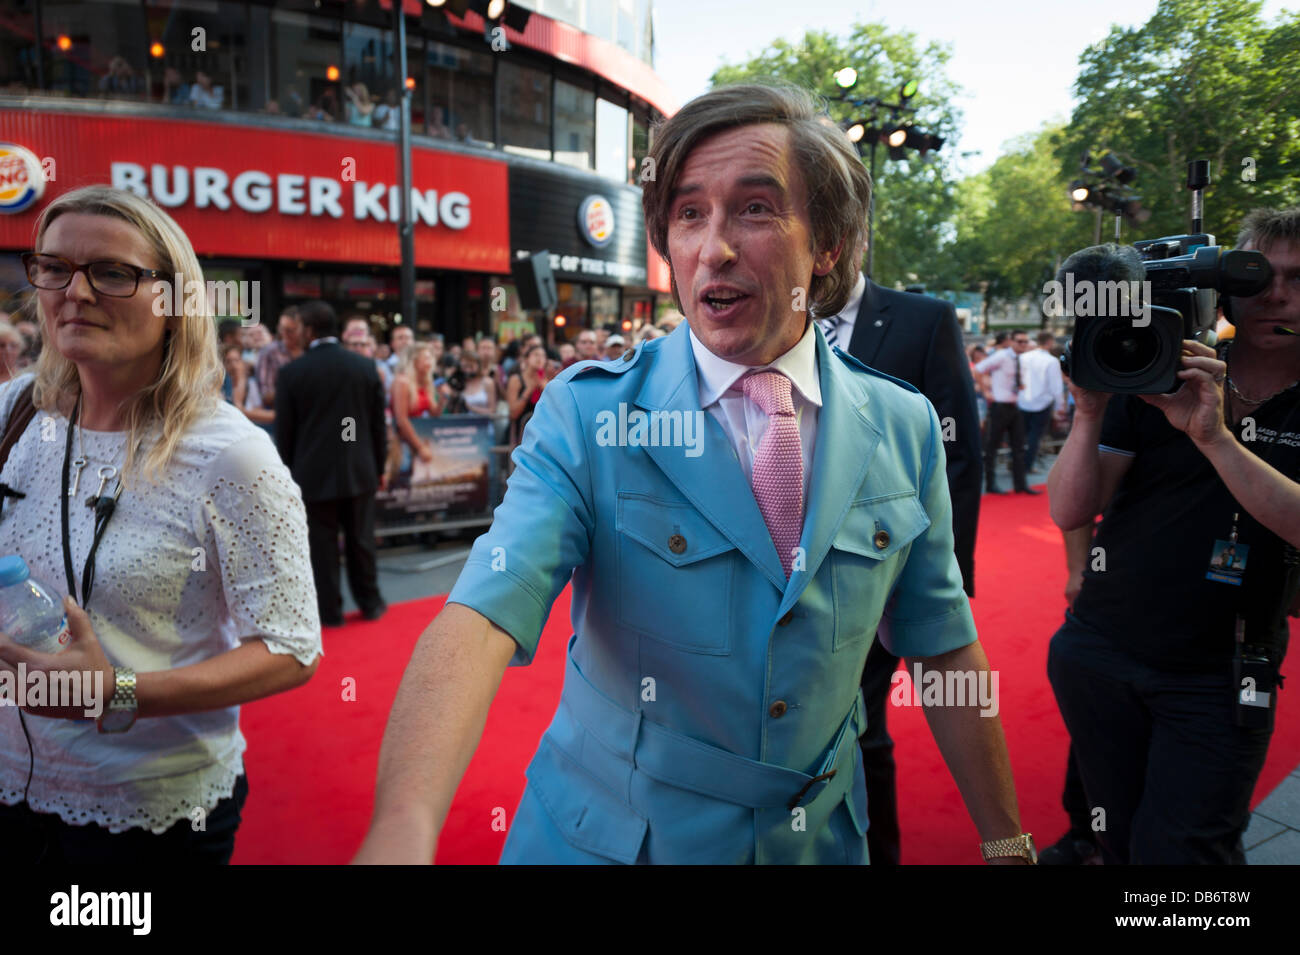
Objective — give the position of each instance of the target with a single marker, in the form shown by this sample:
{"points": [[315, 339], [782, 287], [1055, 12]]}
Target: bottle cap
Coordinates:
{"points": [[13, 570]]}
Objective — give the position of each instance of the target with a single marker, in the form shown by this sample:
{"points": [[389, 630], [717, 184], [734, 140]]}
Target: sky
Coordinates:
{"points": [[1015, 60]]}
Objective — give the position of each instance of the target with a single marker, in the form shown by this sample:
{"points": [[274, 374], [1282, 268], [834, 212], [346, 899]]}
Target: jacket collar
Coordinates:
{"points": [[872, 323], [714, 481]]}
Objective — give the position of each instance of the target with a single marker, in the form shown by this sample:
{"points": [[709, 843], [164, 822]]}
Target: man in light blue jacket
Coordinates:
{"points": [[739, 509]]}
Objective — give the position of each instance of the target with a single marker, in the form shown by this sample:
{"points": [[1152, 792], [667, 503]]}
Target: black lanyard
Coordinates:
{"points": [[104, 507]]}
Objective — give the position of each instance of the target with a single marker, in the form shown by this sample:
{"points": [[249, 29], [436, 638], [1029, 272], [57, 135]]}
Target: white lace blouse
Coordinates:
{"points": [[213, 555]]}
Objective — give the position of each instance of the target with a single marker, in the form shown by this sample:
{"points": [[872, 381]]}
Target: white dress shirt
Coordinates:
{"points": [[743, 422], [844, 322], [1002, 365], [1041, 383]]}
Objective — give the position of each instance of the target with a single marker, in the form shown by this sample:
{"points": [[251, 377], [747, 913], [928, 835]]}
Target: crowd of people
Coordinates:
{"points": [[1021, 394], [352, 103], [422, 377]]}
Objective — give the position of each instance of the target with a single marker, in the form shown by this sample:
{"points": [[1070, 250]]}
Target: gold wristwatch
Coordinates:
{"points": [[1018, 847]]}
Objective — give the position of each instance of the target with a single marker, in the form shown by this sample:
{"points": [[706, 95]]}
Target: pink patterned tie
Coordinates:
{"points": [[777, 477]]}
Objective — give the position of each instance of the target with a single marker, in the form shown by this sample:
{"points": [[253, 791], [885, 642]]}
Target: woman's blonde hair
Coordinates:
{"points": [[191, 374], [406, 367]]}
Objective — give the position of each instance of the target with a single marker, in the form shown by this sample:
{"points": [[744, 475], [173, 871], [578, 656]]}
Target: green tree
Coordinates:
{"points": [[1014, 224], [915, 198], [1202, 79]]}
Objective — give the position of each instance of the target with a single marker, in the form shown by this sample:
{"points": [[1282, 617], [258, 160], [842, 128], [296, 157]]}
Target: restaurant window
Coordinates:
{"points": [[627, 25], [611, 140], [636, 309], [367, 76], [96, 49], [460, 94], [306, 57], [640, 148], [17, 51], [525, 110], [575, 125], [564, 10], [392, 121], [299, 284], [571, 302], [509, 321], [198, 55], [604, 308], [644, 37], [600, 19]]}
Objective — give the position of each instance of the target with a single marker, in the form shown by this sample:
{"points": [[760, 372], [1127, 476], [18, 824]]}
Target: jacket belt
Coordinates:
{"points": [[690, 764]]}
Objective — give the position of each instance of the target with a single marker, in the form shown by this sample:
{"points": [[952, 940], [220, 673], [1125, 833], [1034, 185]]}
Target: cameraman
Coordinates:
{"points": [[1143, 667]]}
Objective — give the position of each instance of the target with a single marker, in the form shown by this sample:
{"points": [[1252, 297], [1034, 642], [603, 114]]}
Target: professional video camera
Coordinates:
{"points": [[1137, 348]]}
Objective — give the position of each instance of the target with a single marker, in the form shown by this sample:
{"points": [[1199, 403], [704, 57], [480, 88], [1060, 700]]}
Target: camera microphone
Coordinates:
{"points": [[1283, 330]]}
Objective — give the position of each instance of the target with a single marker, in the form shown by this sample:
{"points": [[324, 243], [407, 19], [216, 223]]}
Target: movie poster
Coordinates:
{"points": [[453, 480]]}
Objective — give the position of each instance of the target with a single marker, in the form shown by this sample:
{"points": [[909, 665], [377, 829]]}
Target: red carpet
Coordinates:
{"points": [[312, 755]]}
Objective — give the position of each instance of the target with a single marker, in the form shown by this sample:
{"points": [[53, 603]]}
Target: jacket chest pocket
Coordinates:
{"points": [[866, 558], [675, 575]]}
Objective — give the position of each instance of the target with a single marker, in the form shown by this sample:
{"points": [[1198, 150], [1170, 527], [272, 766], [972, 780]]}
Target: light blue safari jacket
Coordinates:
{"points": [[711, 710]]}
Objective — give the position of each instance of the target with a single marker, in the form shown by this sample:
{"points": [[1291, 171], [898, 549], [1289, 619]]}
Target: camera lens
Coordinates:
{"points": [[1122, 349]]}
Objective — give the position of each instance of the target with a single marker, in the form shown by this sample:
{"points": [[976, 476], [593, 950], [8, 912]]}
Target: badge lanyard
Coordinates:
{"points": [[104, 506]]}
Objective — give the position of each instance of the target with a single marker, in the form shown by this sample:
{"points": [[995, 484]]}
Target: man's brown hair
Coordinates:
{"points": [[1263, 227], [838, 184]]}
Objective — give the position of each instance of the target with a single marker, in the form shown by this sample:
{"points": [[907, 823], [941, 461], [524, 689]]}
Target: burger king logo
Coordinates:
{"points": [[22, 181], [596, 221]]}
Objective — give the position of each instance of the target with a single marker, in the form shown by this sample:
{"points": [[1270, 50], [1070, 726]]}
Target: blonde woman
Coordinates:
{"points": [[189, 594], [414, 396]]}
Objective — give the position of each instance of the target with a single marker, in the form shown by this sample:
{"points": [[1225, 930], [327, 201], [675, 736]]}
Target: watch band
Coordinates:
{"points": [[120, 714], [1018, 847]]}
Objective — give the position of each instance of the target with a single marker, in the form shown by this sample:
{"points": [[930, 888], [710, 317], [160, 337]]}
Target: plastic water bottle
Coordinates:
{"points": [[29, 615]]}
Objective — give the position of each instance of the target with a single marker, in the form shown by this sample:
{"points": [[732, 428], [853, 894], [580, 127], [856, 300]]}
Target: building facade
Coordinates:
{"points": [[269, 132]]}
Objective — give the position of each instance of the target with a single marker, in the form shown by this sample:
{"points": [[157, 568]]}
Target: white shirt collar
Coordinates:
{"points": [[715, 375], [332, 339], [850, 311]]}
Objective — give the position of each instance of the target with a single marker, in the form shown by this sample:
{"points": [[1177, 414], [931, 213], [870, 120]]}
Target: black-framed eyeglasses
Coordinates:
{"points": [[114, 279]]}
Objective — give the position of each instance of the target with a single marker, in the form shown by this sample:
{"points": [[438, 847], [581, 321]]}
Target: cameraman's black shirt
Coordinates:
{"points": [[1159, 533]]}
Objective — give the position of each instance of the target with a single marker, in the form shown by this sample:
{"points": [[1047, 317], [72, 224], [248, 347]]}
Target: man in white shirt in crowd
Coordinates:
{"points": [[399, 340], [1007, 378], [1043, 393]]}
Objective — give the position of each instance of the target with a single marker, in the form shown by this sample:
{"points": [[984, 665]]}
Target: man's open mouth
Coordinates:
{"points": [[722, 302]]}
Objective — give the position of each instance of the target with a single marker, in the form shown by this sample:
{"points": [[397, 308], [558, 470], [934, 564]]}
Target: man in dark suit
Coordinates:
{"points": [[329, 415], [915, 338]]}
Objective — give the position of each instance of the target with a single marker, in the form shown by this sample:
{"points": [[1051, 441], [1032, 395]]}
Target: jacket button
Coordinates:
{"points": [[677, 543], [789, 615], [627, 355], [777, 709], [882, 540]]}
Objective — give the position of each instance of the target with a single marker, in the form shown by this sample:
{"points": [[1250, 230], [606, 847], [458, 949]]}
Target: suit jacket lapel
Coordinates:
{"points": [[870, 326], [714, 482], [846, 441]]}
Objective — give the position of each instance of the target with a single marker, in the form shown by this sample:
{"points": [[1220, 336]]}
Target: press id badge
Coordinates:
{"points": [[1228, 559]]}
